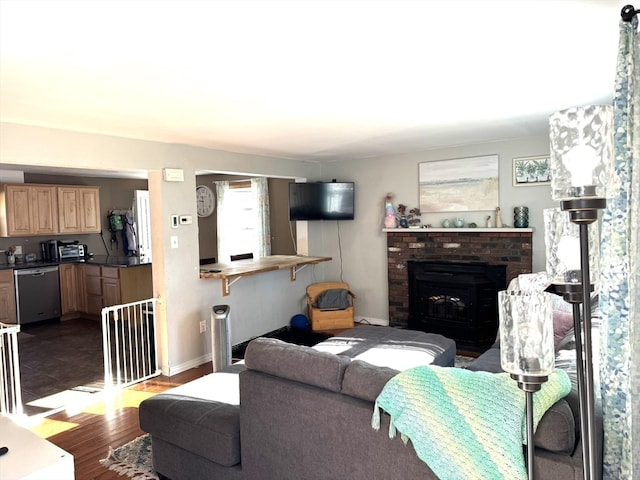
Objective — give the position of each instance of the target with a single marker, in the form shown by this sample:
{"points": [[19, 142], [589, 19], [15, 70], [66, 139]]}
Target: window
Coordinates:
{"points": [[243, 218], [241, 226]]}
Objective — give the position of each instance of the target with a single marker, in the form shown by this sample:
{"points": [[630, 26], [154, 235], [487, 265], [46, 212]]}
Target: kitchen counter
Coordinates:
{"points": [[230, 273], [116, 261], [103, 260]]}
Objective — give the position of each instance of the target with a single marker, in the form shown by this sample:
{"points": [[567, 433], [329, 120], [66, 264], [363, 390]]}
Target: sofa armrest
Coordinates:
{"points": [[207, 428]]}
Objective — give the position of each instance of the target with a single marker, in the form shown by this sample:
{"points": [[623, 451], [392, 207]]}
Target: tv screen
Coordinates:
{"points": [[321, 201]]}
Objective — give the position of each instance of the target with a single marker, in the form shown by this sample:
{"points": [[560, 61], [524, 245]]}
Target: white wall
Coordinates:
{"points": [[258, 304], [364, 244]]}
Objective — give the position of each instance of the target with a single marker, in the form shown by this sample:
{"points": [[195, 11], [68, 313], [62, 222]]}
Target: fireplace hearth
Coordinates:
{"points": [[457, 300]]}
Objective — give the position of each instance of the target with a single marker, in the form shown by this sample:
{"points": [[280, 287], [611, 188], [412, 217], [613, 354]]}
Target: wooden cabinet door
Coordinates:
{"points": [[69, 210], [111, 286], [82, 288], [110, 292], [18, 207], [7, 297], [93, 289], [68, 289], [90, 210], [44, 210], [79, 209]]}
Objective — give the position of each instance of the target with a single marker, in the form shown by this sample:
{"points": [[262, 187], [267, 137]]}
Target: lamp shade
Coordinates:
{"points": [[562, 244], [581, 151], [526, 333]]}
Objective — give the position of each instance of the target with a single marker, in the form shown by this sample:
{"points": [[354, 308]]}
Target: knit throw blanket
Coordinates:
{"points": [[463, 424]]}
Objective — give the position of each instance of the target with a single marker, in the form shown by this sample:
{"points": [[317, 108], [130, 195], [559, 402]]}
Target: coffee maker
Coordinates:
{"points": [[49, 251]]}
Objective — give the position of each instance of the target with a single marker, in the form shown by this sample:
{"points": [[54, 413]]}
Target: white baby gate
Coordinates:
{"points": [[129, 343], [10, 389]]}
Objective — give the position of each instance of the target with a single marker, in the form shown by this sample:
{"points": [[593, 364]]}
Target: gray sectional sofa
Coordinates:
{"points": [[305, 413]]}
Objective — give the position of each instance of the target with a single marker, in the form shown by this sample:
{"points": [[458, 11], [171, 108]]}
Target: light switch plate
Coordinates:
{"points": [[186, 219], [174, 221], [174, 241]]}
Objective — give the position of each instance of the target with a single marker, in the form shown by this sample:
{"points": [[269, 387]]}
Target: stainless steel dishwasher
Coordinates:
{"points": [[37, 294]]}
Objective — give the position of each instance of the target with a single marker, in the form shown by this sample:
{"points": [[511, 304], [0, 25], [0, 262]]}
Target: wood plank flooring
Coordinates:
{"points": [[88, 433]]}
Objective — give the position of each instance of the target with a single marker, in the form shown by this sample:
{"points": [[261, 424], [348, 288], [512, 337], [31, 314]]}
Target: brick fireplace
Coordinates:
{"points": [[510, 247]]}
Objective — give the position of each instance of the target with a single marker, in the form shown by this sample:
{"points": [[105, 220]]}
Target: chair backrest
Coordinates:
{"points": [[316, 289]]}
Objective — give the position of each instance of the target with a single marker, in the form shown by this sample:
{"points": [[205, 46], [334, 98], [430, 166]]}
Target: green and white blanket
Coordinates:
{"points": [[463, 424]]}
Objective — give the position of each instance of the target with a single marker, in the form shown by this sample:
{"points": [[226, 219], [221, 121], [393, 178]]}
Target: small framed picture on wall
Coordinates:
{"points": [[531, 171]]}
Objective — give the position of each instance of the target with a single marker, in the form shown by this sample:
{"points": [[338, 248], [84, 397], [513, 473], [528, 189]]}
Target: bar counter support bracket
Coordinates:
{"points": [[295, 270], [226, 284]]}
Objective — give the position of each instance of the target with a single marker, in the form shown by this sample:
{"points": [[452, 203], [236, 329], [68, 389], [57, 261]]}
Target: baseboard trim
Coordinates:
{"points": [[183, 367], [371, 321]]}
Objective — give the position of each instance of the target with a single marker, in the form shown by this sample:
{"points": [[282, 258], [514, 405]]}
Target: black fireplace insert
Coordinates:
{"points": [[457, 300]]}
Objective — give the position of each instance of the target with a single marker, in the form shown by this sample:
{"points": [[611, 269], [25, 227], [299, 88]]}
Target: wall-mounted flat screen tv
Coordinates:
{"points": [[321, 201]]}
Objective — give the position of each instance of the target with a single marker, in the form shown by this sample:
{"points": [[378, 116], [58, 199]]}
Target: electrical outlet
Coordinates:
{"points": [[203, 326]]}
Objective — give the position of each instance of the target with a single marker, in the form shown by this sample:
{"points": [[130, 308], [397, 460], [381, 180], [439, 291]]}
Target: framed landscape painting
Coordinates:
{"points": [[458, 185], [531, 171]]}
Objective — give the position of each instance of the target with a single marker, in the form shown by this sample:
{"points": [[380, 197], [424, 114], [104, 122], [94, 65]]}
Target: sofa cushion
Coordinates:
{"points": [[395, 348], [296, 362], [365, 381], [489, 361], [556, 431], [205, 427], [562, 323]]}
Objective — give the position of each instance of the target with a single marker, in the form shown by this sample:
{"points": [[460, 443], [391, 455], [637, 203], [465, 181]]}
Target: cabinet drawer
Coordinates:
{"points": [[110, 272], [92, 270]]}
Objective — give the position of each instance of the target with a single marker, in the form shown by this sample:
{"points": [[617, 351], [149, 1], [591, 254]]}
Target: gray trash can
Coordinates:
{"points": [[220, 337]]}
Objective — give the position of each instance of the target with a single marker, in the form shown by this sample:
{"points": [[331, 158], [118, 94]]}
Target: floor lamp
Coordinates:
{"points": [[526, 348], [581, 152]]}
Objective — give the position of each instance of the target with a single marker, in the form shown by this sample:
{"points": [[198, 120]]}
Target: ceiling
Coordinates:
{"points": [[305, 80]]}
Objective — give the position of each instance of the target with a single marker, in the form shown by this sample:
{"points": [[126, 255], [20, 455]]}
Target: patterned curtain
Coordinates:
{"points": [[223, 214], [261, 201], [620, 280]]}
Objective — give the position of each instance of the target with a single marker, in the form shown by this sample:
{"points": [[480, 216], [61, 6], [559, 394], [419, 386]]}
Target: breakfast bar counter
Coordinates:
{"points": [[230, 273]]}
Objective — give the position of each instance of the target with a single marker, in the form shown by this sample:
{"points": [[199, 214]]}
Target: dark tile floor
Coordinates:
{"points": [[58, 356]]}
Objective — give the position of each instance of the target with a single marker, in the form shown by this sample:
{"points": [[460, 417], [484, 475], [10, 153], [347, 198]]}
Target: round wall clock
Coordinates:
{"points": [[206, 201]]}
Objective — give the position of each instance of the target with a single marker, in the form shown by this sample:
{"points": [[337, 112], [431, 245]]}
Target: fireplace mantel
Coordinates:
{"points": [[465, 229]]}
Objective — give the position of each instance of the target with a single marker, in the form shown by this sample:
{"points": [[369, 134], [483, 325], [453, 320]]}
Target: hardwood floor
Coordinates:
{"points": [[89, 433]]}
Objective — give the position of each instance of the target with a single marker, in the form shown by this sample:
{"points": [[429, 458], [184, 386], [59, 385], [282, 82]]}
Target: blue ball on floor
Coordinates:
{"points": [[300, 321]]}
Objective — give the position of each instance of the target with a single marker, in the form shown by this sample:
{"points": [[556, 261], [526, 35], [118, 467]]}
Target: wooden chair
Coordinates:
{"points": [[329, 319]]}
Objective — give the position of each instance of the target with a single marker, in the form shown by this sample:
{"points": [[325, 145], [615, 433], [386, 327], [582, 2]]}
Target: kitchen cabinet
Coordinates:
{"points": [[68, 289], [28, 209], [7, 297], [79, 209], [39, 209], [126, 285], [93, 289], [109, 286], [72, 290], [111, 294]]}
